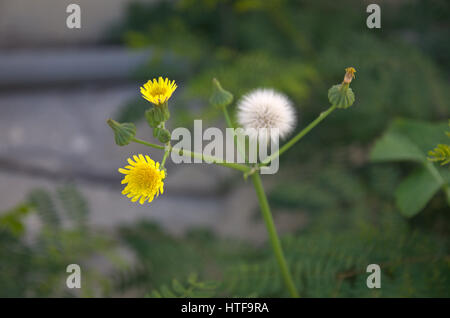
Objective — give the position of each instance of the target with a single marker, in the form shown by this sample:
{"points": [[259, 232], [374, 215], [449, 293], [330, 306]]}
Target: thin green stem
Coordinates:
{"points": [[143, 142], [273, 236], [192, 154], [299, 136], [239, 146], [227, 117], [217, 161], [166, 154]]}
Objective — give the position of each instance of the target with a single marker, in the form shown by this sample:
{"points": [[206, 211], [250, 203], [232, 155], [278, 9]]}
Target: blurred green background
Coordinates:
{"points": [[347, 201]]}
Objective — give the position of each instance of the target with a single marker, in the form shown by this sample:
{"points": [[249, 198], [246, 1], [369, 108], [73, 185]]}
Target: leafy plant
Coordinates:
{"points": [[192, 289], [441, 153], [409, 140], [36, 266]]}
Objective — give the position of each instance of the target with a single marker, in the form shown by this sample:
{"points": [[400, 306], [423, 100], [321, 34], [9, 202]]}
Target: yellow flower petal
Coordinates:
{"points": [[158, 91], [144, 179]]}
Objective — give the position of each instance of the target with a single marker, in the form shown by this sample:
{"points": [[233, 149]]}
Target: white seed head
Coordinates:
{"points": [[266, 113]]}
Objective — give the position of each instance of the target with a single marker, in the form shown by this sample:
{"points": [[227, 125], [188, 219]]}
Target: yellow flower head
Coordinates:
{"points": [[158, 91], [144, 179], [349, 74]]}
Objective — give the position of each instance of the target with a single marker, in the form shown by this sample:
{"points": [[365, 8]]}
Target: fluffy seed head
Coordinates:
{"points": [[266, 113]]}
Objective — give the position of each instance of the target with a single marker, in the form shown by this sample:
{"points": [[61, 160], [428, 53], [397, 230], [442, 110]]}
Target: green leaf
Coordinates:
{"points": [[395, 147], [408, 140], [13, 219], [415, 191]]}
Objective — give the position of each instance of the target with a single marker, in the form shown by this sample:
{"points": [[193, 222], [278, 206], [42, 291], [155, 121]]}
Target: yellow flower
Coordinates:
{"points": [[159, 91], [349, 75], [144, 179]]}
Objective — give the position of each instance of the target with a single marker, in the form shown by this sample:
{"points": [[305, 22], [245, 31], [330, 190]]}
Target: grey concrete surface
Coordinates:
{"points": [[42, 23], [49, 66]]}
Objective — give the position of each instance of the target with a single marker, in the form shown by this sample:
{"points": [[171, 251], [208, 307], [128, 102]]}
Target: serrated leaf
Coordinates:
{"points": [[415, 191]]}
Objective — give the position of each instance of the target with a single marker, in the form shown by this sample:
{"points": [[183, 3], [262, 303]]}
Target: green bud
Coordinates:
{"points": [[151, 118], [157, 115], [219, 96], [156, 132], [164, 109], [163, 135], [341, 95], [123, 133]]}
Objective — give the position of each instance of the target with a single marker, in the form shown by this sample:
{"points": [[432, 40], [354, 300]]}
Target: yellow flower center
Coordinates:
{"points": [[144, 179]]}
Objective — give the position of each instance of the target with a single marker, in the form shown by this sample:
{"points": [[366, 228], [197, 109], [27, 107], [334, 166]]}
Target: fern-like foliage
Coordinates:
{"points": [[74, 204], [36, 267], [330, 264], [193, 288], [334, 265]]}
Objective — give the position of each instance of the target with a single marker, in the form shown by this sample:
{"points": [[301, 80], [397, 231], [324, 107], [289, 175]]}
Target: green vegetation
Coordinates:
{"points": [[363, 177]]}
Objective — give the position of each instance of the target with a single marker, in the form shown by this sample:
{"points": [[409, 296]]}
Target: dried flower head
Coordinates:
{"points": [[144, 179], [158, 91], [349, 75], [265, 113]]}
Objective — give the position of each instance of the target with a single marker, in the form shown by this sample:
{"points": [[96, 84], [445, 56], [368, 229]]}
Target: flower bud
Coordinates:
{"points": [[157, 115], [341, 95], [220, 97], [123, 133], [163, 135]]}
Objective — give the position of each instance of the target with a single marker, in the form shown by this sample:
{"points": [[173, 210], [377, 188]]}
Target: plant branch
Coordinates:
{"points": [[192, 154], [143, 142], [273, 236], [239, 146], [299, 136]]}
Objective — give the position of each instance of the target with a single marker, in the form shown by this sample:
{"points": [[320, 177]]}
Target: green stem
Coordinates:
{"points": [[217, 161], [239, 146], [299, 136], [166, 154], [227, 117], [192, 154], [273, 236], [143, 142]]}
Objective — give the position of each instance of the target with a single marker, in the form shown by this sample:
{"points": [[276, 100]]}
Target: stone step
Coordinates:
{"points": [[27, 68]]}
